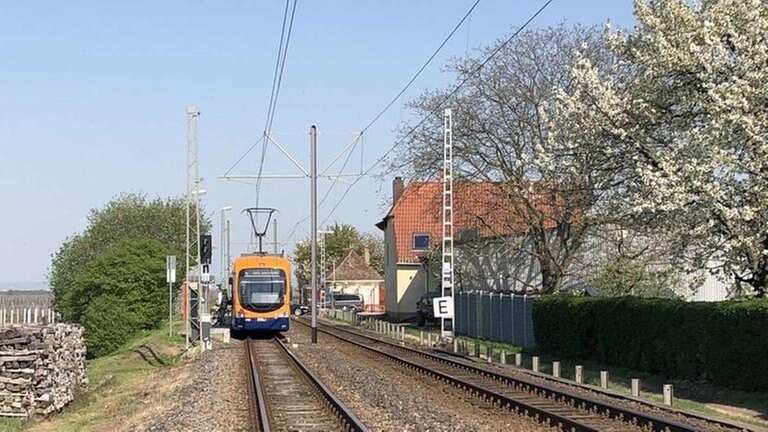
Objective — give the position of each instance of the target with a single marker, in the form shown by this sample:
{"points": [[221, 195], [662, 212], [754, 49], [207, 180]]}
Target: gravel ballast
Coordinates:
{"points": [[215, 398], [388, 397]]}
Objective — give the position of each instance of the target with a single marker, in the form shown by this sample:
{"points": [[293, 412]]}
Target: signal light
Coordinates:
{"points": [[206, 249]]}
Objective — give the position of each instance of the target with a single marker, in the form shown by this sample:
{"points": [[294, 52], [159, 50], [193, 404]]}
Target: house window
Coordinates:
{"points": [[421, 241]]}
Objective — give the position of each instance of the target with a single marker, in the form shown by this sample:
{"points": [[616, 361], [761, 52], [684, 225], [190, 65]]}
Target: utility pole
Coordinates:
{"points": [[229, 255], [223, 245], [323, 266], [193, 193], [313, 209], [446, 324], [274, 229]]}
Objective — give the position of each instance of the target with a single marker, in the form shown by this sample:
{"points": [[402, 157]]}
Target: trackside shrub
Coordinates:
{"points": [[722, 342], [108, 325]]}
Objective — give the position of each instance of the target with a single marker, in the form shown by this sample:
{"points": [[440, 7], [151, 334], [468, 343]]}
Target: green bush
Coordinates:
{"points": [[723, 342], [122, 291], [108, 325]]}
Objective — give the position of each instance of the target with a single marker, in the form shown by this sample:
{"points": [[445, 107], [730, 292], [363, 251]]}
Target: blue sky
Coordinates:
{"points": [[93, 96]]}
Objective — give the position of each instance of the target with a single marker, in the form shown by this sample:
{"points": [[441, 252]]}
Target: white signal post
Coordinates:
{"points": [[446, 319], [170, 277]]}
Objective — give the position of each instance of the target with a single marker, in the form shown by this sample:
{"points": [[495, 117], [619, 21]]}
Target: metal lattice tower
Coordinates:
{"points": [[446, 324], [193, 264]]}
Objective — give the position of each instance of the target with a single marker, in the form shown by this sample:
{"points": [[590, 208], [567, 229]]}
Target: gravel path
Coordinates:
{"points": [[387, 397], [215, 398]]}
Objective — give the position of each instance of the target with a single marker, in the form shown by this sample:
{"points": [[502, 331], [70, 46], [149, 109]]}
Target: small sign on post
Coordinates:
{"points": [[442, 307], [170, 269], [170, 277]]}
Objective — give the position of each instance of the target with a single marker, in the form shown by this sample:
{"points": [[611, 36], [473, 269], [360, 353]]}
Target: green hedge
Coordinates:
{"points": [[723, 342]]}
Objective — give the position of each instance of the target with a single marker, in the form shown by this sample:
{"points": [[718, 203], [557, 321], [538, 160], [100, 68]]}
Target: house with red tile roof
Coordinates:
{"points": [[353, 274], [484, 213], [492, 244]]}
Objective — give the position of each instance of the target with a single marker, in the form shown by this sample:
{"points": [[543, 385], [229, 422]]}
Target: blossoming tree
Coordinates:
{"points": [[683, 114]]}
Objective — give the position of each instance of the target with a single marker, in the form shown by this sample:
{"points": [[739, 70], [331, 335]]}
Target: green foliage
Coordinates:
{"points": [[723, 342], [133, 271], [122, 291], [108, 325], [625, 275], [343, 238], [127, 216]]}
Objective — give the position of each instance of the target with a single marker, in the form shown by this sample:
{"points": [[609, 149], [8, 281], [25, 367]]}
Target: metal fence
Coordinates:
{"points": [[498, 317]]}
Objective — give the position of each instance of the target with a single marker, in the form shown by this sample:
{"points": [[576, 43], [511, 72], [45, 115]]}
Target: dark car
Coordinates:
{"points": [[299, 310], [424, 311], [344, 301]]}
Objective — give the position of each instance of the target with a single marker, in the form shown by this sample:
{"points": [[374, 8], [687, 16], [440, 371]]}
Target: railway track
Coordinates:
{"points": [[549, 404], [286, 396]]}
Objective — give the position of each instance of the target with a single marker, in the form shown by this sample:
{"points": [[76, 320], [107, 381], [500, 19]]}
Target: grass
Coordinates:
{"points": [[122, 386]]}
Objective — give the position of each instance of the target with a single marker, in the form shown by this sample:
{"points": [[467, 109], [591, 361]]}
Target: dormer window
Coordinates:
{"points": [[421, 241]]}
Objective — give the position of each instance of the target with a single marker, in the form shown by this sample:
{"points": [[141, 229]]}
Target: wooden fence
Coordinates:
{"points": [[19, 307]]}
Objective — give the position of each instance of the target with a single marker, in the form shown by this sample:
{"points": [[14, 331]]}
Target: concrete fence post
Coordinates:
{"points": [[518, 359], [669, 394], [477, 350], [455, 345], [35, 315], [503, 357], [429, 339], [421, 337], [635, 387], [556, 369], [535, 363], [579, 374], [402, 333], [604, 379], [489, 354]]}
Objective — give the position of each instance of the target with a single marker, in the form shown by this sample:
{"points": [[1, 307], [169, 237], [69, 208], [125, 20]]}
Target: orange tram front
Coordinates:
{"points": [[261, 296]]}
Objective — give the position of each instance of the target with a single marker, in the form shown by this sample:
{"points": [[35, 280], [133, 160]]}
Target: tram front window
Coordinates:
{"points": [[261, 289]]}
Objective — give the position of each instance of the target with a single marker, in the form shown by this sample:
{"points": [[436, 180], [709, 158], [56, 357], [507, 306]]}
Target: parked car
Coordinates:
{"points": [[344, 301], [424, 310], [300, 310]]}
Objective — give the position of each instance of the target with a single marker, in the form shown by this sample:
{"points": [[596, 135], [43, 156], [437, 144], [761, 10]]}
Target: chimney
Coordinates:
{"points": [[367, 256], [397, 189]]}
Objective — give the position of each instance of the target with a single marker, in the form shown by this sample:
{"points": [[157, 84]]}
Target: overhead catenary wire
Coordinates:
{"points": [[279, 69], [424, 66], [399, 95], [436, 110], [276, 82]]}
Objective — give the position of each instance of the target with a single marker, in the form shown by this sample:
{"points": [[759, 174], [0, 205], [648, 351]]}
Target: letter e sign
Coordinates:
{"points": [[443, 307]]}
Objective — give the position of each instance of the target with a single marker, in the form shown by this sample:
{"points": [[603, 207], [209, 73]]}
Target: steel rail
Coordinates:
{"points": [[585, 403], [347, 420], [613, 394], [260, 415]]}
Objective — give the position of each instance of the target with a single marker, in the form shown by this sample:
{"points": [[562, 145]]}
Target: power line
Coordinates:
{"points": [[424, 66], [438, 107], [276, 82], [402, 91]]}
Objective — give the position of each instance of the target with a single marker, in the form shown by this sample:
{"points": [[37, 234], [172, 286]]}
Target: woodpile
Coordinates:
{"points": [[41, 368]]}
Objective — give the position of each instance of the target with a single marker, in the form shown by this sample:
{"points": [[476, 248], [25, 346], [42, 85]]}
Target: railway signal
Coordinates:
{"points": [[206, 249]]}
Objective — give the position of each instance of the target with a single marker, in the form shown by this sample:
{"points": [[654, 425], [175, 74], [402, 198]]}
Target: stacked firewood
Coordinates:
{"points": [[41, 368]]}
